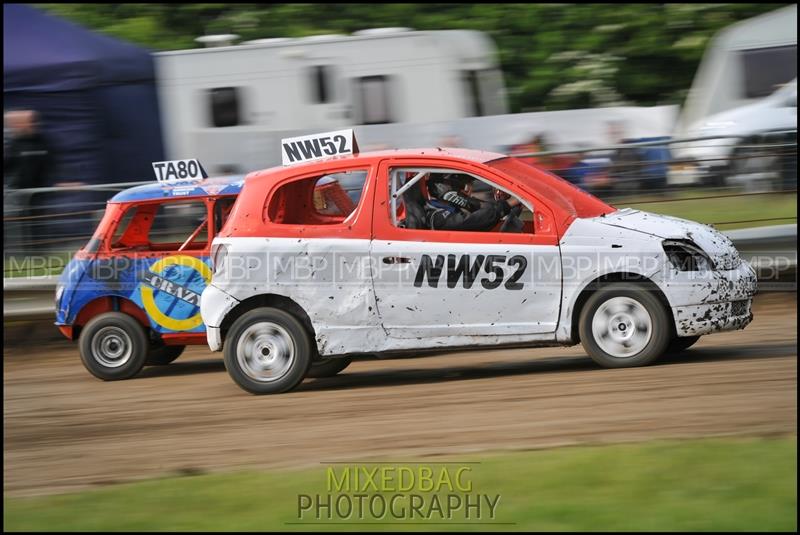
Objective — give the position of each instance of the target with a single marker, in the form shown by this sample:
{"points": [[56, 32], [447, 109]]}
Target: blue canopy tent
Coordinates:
{"points": [[96, 96]]}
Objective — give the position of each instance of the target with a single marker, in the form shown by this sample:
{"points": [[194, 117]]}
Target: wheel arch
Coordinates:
{"points": [[109, 303], [278, 301], [609, 278]]}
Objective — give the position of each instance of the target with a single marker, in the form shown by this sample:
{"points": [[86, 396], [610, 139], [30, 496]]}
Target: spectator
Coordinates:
{"points": [[26, 162], [578, 171], [537, 143], [623, 171]]}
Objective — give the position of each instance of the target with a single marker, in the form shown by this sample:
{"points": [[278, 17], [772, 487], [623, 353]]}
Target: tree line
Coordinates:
{"points": [[553, 56]]}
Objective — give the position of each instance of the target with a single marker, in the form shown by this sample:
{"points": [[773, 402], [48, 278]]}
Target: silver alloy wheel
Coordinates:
{"points": [[112, 347], [622, 327], [265, 351]]}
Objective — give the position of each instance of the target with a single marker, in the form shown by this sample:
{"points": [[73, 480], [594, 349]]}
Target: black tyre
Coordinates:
{"points": [[682, 343], [113, 346], [267, 351], [624, 325], [327, 367], [161, 356]]}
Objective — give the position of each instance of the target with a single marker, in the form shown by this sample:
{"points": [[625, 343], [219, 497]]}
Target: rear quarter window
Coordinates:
{"points": [[325, 199]]}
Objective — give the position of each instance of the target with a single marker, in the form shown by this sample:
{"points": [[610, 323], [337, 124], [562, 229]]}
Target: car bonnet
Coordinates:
{"points": [[718, 246]]}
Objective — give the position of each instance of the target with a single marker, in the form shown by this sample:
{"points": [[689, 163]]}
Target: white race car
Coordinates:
{"points": [[308, 272]]}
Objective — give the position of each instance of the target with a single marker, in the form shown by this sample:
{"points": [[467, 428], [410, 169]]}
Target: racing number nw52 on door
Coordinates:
{"points": [[452, 248], [131, 296]]}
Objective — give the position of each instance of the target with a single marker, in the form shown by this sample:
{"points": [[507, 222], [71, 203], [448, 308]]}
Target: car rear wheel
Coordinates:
{"points": [[267, 351], [327, 367], [161, 356], [624, 325], [113, 346]]}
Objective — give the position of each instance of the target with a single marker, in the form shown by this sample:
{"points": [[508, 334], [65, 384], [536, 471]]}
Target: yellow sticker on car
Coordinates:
{"points": [[155, 280]]}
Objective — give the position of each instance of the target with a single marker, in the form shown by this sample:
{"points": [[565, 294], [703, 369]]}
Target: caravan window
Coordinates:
{"points": [[484, 92], [374, 93], [474, 107], [492, 91], [224, 102], [766, 69], [321, 84]]}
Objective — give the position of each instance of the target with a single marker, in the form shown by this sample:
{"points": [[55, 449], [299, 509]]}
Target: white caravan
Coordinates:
{"points": [[231, 104], [743, 64]]}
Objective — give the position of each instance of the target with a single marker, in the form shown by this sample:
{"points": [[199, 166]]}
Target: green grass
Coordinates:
{"points": [[722, 210], [709, 484]]}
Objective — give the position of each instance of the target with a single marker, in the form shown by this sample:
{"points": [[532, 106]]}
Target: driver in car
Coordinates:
{"points": [[452, 206]]}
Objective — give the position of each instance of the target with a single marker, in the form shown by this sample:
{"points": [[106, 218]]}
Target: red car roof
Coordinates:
{"points": [[478, 156], [565, 198]]}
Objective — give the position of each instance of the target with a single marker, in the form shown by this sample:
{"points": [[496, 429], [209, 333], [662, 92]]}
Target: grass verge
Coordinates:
{"points": [[736, 212], [692, 485]]}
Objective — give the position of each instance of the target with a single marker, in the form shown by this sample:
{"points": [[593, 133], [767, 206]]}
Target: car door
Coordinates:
{"points": [[168, 243], [431, 283]]}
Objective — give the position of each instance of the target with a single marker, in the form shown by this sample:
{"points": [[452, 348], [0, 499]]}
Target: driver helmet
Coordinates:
{"points": [[448, 186]]}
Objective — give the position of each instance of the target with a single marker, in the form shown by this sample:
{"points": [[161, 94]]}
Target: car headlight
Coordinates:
{"points": [[218, 254], [686, 256], [59, 293]]}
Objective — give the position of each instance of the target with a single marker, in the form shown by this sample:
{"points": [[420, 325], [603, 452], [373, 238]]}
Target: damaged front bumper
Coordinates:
{"points": [[711, 318], [721, 301]]}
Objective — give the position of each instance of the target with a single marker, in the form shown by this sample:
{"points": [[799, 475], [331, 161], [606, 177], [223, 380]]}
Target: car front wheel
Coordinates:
{"points": [[624, 325], [267, 351]]}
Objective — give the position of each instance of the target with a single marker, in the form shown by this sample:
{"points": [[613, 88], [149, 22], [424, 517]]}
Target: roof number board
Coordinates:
{"points": [[318, 146], [176, 170]]}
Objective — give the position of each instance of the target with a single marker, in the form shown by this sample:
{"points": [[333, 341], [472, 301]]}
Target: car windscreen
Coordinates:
{"points": [[569, 197]]}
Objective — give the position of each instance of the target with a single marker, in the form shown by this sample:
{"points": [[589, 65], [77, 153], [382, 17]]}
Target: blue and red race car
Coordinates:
{"points": [[131, 296]]}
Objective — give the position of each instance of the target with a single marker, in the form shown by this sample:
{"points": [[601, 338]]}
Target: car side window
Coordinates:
{"points": [[325, 199], [169, 226], [449, 199], [122, 227], [222, 209]]}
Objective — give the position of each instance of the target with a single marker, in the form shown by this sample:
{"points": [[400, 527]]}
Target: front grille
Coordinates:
{"points": [[740, 308]]}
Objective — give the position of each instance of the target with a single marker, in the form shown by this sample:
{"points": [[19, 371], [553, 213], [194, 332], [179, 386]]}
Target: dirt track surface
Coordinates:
{"points": [[65, 430]]}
